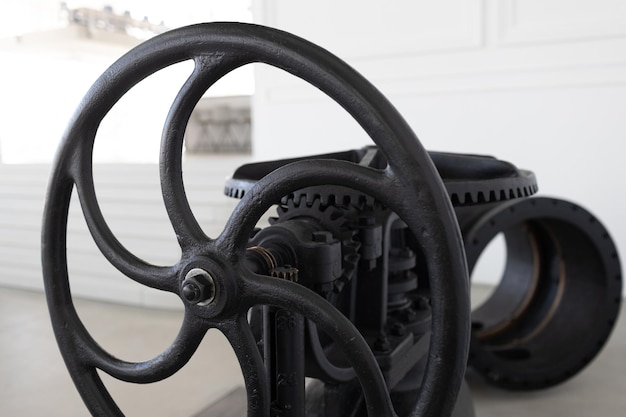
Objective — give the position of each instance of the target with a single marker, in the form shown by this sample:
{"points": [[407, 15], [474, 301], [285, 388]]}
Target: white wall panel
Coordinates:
{"points": [[356, 29], [284, 104], [131, 202], [539, 83], [526, 21]]}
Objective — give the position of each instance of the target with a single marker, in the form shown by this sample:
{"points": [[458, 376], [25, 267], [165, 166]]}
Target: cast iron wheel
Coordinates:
{"points": [[409, 185]]}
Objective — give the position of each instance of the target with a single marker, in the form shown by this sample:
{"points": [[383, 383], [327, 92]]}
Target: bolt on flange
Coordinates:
{"points": [[198, 287]]}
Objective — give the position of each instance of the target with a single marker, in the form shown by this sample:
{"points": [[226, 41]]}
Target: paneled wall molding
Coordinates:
{"points": [[472, 81], [558, 43], [541, 83], [522, 22], [457, 25]]}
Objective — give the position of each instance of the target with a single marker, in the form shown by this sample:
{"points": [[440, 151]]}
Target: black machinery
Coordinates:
{"points": [[360, 283]]}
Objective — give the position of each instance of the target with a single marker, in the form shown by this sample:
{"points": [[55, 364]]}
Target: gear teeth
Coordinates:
{"points": [[492, 196], [462, 192], [287, 273], [234, 192], [335, 196], [324, 208], [315, 205]]}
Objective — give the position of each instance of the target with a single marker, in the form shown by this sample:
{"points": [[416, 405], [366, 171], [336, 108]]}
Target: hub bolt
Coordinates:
{"points": [[198, 287]]}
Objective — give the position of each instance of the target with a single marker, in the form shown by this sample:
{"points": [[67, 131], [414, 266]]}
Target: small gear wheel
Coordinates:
{"points": [[286, 272]]}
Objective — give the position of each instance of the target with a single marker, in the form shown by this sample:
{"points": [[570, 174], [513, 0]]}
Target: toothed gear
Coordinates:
{"points": [[332, 195], [469, 179], [474, 192], [331, 217], [286, 272]]}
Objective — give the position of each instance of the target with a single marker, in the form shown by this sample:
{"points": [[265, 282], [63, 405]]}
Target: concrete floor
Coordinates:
{"points": [[34, 381]]}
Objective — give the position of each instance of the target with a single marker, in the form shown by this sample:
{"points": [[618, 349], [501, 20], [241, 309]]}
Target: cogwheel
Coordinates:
{"points": [[286, 272], [333, 195], [469, 179], [330, 217], [479, 179]]}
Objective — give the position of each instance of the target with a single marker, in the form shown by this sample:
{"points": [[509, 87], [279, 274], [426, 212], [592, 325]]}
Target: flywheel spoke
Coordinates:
{"points": [[159, 277], [207, 71], [156, 369], [238, 332]]}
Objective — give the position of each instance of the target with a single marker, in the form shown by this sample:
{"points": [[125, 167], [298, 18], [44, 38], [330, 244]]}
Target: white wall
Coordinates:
{"points": [[130, 198], [541, 83], [46, 74]]}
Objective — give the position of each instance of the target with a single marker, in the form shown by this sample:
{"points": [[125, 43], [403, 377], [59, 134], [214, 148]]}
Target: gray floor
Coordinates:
{"points": [[34, 381]]}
